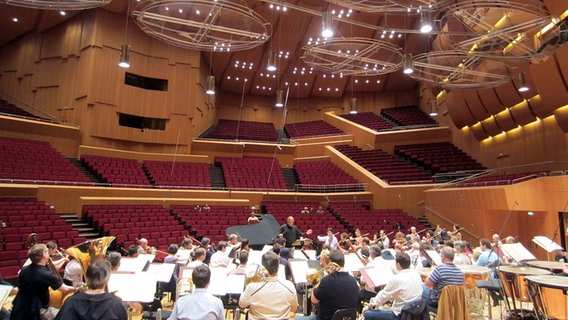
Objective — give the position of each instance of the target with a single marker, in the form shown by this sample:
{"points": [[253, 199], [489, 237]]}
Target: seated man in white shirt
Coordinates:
{"points": [[199, 255], [404, 287], [220, 258]]}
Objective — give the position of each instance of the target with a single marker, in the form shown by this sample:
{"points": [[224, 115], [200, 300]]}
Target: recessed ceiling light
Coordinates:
{"points": [[62, 13], [15, 19]]}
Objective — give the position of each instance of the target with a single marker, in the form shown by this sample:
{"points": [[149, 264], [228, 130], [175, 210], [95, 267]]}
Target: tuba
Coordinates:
{"points": [[314, 276], [89, 251]]}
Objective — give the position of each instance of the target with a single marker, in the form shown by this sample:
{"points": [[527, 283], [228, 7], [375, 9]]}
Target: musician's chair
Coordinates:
{"points": [[345, 314], [451, 305]]}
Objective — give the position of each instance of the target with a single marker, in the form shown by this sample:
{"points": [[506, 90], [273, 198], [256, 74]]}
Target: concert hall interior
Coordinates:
{"points": [[230, 111]]}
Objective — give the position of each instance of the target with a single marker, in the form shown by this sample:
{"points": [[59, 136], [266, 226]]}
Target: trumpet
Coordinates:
{"points": [[314, 276]]}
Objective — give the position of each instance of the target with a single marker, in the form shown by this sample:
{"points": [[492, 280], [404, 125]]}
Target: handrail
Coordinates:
{"points": [[21, 102], [439, 215]]}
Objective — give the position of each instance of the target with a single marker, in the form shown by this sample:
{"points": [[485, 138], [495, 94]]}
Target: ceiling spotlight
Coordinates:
{"points": [[425, 23], [407, 64], [210, 85], [279, 99], [326, 24], [271, 66], [522, 83], [124, 56]]}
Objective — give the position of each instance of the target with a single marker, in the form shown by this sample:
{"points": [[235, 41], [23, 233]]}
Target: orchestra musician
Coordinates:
{"points": [[233, 243], [220, 258], [337, 290], [488, 257], [455, 234], [199, 256], [32, 300], [414, 236], [95, 303], [209, 250], [143, 243], [344, 244], [291, 233], [445, 274], [375, 260], [440, 234], [200, 304], [4, 313], [57, 258], [270, 298], [384, 239], [329, 240]]}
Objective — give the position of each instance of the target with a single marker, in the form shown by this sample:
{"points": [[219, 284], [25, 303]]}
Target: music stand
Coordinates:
{"points": [[5, 291], [547, 244], [299, 269], [133, 286], [301, 242]]}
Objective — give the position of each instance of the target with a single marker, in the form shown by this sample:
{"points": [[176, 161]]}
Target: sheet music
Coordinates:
{"points": [[164, 271], [299, 268], [266, 248], [546, 243], [376, 276], [4, 293], [185, 273], [281, 272], [222, 284], [352, 263], [434, 257], [255, 257], [517, 251], [133, 264], [130, 286]]}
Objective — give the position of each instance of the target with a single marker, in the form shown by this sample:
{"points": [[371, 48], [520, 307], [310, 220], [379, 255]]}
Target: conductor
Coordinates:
{"points": [[291, 233]]}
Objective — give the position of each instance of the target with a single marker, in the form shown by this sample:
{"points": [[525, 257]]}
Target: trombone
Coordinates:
{"points": [[314, 276]]}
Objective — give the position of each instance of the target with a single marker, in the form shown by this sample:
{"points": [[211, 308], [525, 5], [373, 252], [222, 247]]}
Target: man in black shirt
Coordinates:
{"points": [[291, 233], [337, 290], [32, 301]]}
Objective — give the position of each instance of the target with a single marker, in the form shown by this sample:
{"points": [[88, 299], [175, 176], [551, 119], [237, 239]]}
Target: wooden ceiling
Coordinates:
{"points": [[291, 31]]}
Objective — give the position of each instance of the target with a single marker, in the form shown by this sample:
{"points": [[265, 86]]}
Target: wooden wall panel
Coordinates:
{"points": [[479, 132], [490, 126], [561, 116], [106, 79], [522, 113], [474, 104], [490, 100], [505, 120], [547, 79], [508, 94], [458, 110]]}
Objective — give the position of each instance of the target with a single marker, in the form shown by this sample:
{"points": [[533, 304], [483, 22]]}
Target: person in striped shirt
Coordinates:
{"points": [[445, 274]]}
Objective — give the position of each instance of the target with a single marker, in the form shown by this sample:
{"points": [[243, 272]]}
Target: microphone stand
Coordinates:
{"points": [[501, 231]]}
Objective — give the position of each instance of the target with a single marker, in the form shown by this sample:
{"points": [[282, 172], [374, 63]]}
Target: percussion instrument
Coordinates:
{"points": [[554, 266], [472, 274], [514, 287], [549, 295]]}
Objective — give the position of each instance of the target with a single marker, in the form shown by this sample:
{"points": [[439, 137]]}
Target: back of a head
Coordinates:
{"points": [[173, 248], [205, 241], [51, 245], [243, 256], [459, 246], [271, 262], [448, 253], [403, 259], [276, 248], [376, 250], [201, 276], [36, 252], [114, 259], [485, 242], [98, 274], [133, 250], [337, 256], [221, 245]]}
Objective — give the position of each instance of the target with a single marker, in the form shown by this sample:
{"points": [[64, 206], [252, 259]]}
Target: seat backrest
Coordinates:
{"points": [[453, 304], [345, 314], [415, 310]]}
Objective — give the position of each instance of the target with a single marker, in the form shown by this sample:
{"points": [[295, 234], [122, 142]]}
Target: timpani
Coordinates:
{"points": [[514, 286], [472, 274], [549, 295], [553, 266]]}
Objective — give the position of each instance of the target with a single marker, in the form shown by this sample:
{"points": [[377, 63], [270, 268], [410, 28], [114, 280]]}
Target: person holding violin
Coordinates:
{"points": [[143, 243], [329, 240], [57, 258], [344, 243], [32, 300], [455, 234], [384, 238]]}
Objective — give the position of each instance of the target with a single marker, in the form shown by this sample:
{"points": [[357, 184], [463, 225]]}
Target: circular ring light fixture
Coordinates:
{"points": [[457, 70], [57, 4], [496, 29], [364, 57], [203, 25]]}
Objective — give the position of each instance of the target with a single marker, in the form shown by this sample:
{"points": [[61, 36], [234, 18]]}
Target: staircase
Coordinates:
{"points": [[82, 225], [217, 178], [77, 163], [290, 178]]}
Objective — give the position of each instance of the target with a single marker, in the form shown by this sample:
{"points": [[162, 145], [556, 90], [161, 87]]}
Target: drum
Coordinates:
{"points": [[512, 280], [549, 295], [554, 266], [472, 274]]}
